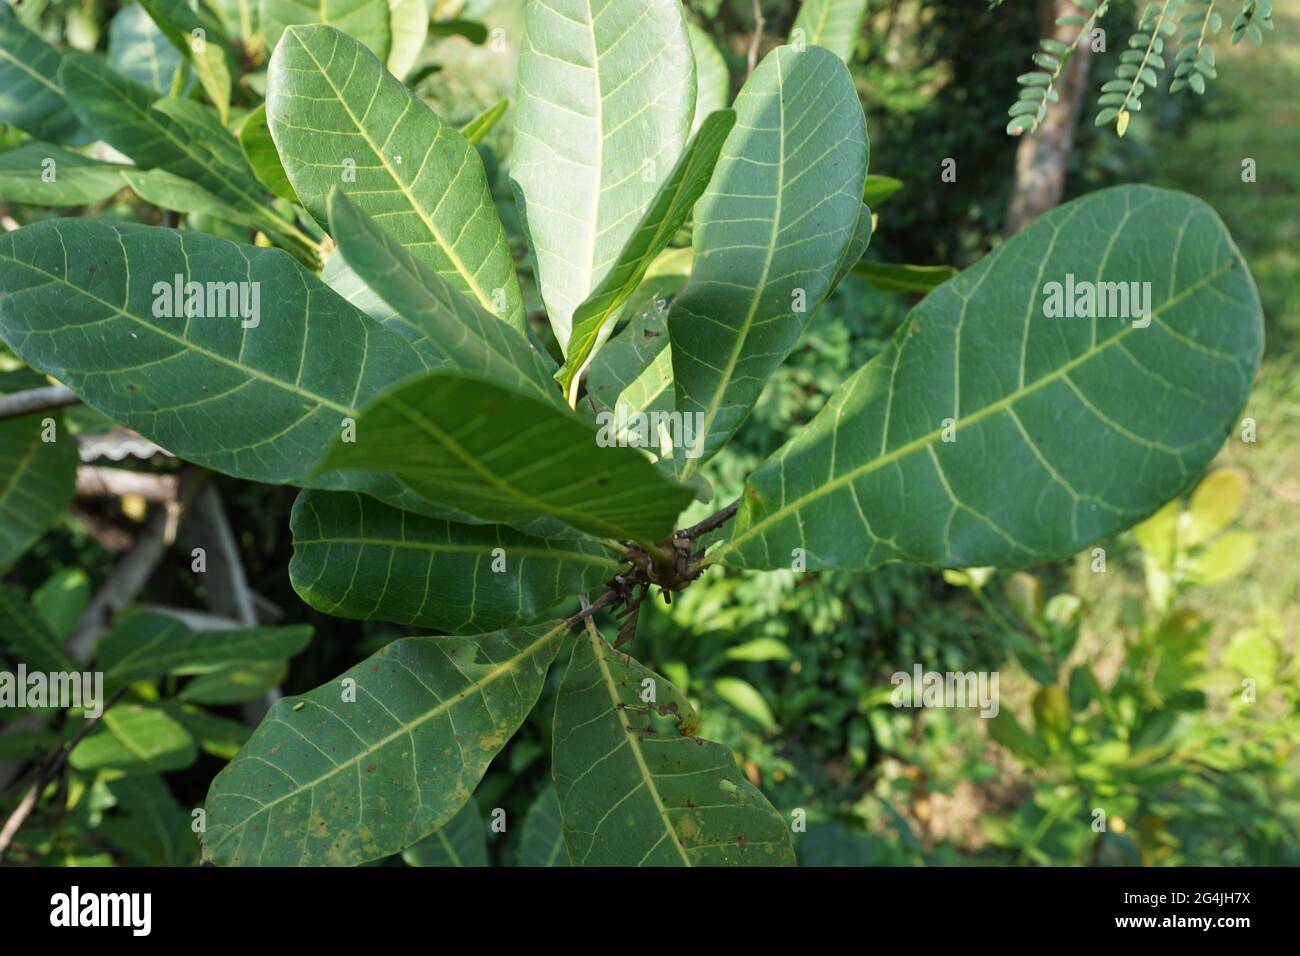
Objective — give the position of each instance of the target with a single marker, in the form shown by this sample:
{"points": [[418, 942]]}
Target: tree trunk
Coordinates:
{"points": [[1042, 156]]}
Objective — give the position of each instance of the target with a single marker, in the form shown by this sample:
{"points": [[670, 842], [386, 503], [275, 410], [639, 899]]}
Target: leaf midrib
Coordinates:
{"points": [[577, 557], [634, 743], [505, 667], [927, 440], [461, 268]]}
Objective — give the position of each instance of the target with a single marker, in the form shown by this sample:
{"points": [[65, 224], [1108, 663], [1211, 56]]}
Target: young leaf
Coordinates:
{"points": [[339, 119], [604, 105], [358, 558], [475, 446], [634, 793], [261, 402], [470, 338], [373, 762], [461, 841], [834, 24], [665, 215], [897, 277], [197, 34], [991, 434], [31, 96], [481, 125], [408, 22], [145, 644], [770, 234]]}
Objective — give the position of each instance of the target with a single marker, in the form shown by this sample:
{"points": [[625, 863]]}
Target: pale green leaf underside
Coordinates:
{"points": [[260, 403], [358, 558], [1067, 429], [36, 482], [478, 447], [143, 645], [603, 107], [542, 843], [667, 213], [326, 781], [770, 233], [461, 841], [329, 101], [368, 21], [712, 80], [834, 24], [633, 794], [138, 50]]}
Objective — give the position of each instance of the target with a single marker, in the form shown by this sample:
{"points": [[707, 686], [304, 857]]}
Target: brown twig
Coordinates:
{"points": [[711, 523], [53, 764], [94, 481], [591, 607]]}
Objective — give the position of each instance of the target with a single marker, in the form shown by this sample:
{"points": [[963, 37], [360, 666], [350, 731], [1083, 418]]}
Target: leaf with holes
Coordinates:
{"points": [[375, 761], [637, 787]]}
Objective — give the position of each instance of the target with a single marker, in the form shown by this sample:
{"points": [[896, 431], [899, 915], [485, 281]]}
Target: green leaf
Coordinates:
{"points": [[409, 24], [897, 277], [746, 698], [31, 96], [148, 827], [198, 35], [134, 738], [461, 841], [759, 649], [41, 174], [138, 50], [665, 215], [603, 108], [260, 403], [635, 370], [501, 456], [259, 150], [879, 188], [36, 480], [542, 843], [470, 338], [771, 231], [635, 792], [330, 101], [236, 683], [145, 644], [481, 125], [180, 136], [834, 24], [366, 21], [26, 636], [169, 191], [339, 777], [218, 736], [471, 30], [712, 79], [358, 558], [1052, 417], [62, 599]]}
